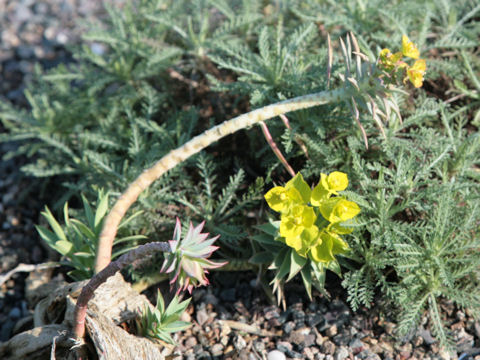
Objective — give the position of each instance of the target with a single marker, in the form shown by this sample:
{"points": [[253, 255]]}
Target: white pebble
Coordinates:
{"points": [[276, 355]]}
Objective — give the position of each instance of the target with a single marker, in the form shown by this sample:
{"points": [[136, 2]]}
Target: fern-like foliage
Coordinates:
{"points": [[219, 207]]}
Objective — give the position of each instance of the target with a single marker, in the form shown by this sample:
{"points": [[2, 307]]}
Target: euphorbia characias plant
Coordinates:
{"points": [[361, 88], [308, 236], [311, 220]]}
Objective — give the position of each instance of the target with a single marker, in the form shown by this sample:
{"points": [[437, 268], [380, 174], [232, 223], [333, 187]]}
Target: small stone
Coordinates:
{"points": [[460, 316], [25, 51], [62, 38], [465, 341], [298, 316], [271, 313], [190, 342], [284, 346], [332, 330], [319, 339], [239, 342], [98, 49], [342, 339], [426, 336], [389, 327], [202, 317], [288, 327], [328, 347], [417, 341], [405, 351], [314, 319], [217, 350], [341, 353], [276, 355], [357, 346], [457, 326], [308, 354], [444, 355], [259, 346]]}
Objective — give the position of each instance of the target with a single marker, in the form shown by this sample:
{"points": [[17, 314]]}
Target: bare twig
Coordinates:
{"points": [[275, 149], [26, 268], [251, 329]]}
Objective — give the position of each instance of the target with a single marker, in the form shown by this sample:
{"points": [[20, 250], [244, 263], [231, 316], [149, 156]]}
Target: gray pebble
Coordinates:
{"points": [[341, 353]]}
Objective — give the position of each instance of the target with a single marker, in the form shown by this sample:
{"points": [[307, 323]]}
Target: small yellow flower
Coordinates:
{"points": [[409, 49], [337, 181], [338, 209], [328, 185], [329, 245], [294, 224], [280, 198], [416, 72], [389, 60], [296, 191]]}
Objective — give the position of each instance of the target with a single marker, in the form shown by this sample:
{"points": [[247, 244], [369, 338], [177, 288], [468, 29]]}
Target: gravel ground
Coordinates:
{"points": [[232, 319]]}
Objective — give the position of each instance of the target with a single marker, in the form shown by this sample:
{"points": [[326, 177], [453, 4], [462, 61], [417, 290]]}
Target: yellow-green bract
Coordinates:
{"points": [[311, 219]]}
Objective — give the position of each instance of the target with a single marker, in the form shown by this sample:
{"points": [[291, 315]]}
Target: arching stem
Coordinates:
{"points": [[192, 147]]}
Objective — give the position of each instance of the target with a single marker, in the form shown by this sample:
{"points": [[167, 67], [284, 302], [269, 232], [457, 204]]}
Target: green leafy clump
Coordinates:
{"points": [[419, 197], [77, 239], [160, 322]]}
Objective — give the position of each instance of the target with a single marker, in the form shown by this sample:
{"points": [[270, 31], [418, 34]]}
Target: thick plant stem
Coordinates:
{"points": [[190, 148], [98, 279]]}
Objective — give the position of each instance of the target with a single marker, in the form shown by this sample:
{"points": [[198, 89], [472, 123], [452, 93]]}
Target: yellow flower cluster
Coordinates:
{"points": [[311, 219], [392, 62]]}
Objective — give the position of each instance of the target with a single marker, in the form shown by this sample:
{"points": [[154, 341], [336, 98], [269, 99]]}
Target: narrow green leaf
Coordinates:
{"points": [[296, 264], [63, 246], [88, 213], [102, 208], [54, 224]]}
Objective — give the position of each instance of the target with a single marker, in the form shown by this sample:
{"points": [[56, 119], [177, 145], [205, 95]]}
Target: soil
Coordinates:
{"points": [[232, 318]]}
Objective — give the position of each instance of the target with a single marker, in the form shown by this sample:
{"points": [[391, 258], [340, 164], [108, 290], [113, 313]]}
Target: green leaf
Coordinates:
{"points": [[102, 208], [49, 237], [63, 246], [264, 257], [283, 258], [88, 213], [307, 280], [270, 228], [177, 326], [296, 264], [84, 229], [130, 218], [54, 224]]}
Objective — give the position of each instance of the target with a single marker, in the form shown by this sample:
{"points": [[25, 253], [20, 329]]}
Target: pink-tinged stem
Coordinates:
{"points": [[98, 279], [275, 149], [297, 139]]}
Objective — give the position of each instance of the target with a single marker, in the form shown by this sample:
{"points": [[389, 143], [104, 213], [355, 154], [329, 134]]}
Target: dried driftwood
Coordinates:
{"points": [[114, 303]]}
